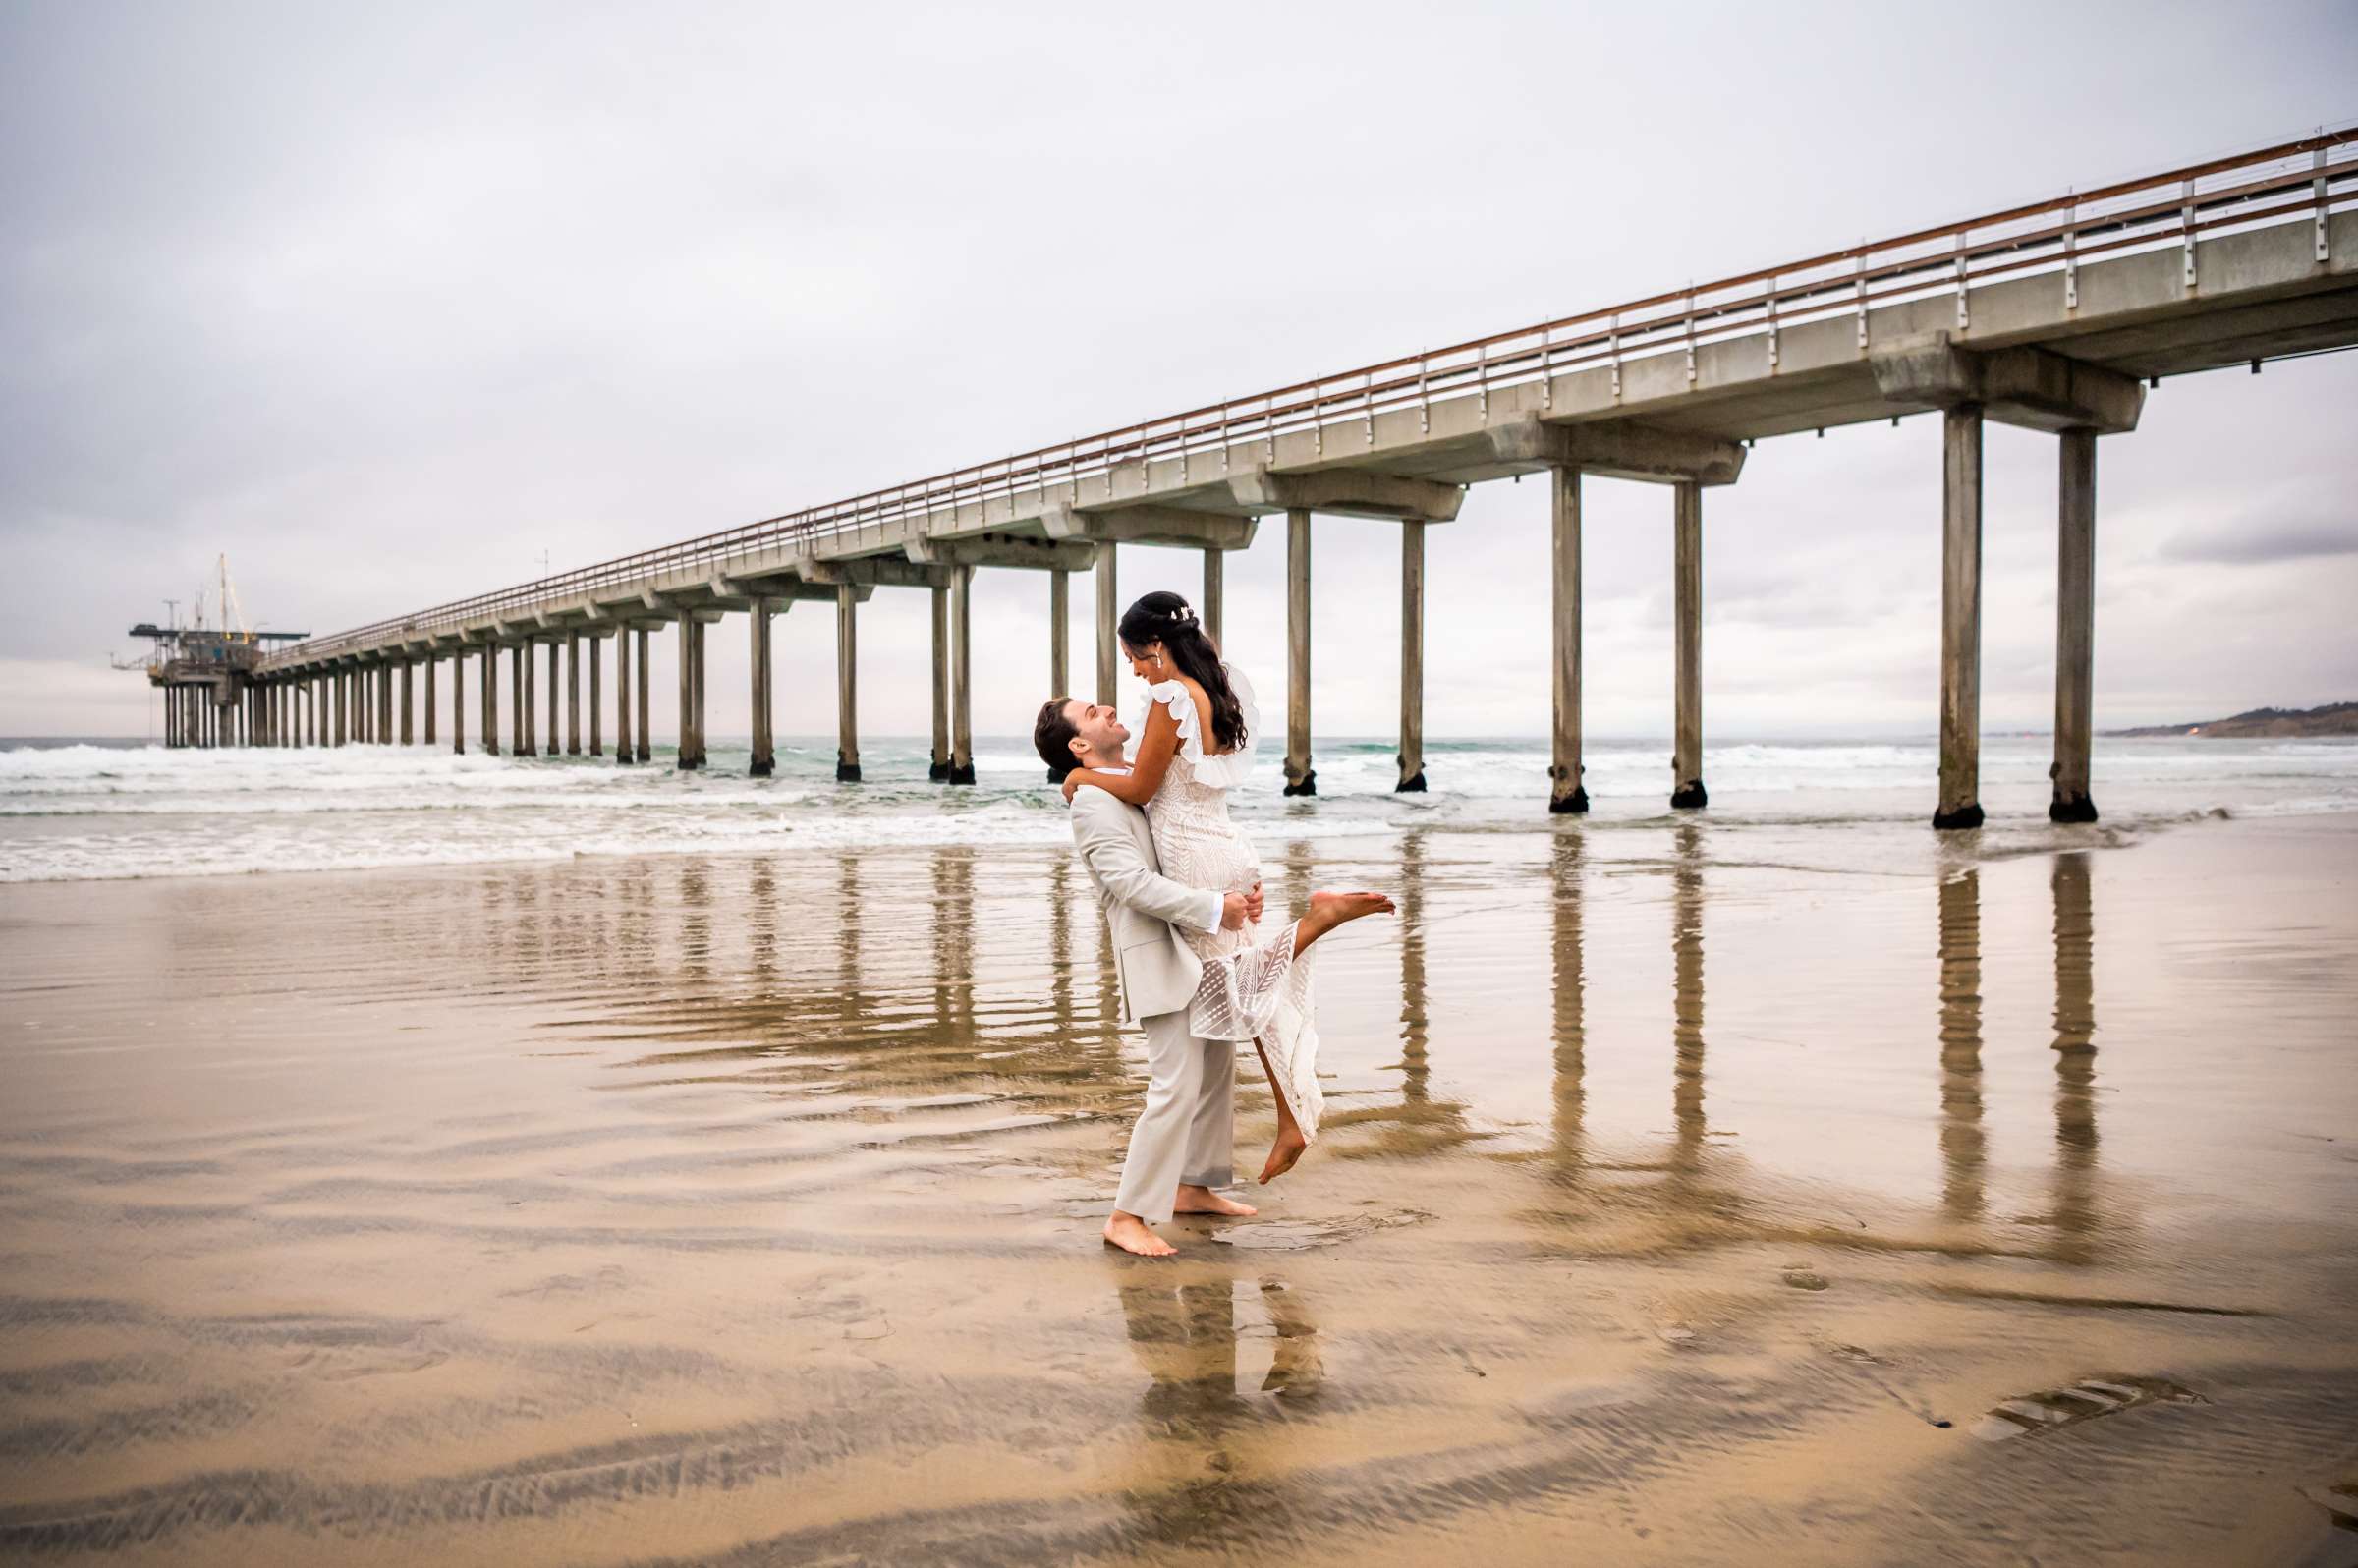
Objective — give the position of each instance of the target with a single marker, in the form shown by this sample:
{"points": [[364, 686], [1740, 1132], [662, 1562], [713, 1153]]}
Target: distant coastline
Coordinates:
{"points": [[2334, 718]]}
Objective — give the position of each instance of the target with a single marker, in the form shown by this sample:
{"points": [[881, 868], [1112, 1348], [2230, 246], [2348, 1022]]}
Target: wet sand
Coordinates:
{"points": [[1686, 1195]]}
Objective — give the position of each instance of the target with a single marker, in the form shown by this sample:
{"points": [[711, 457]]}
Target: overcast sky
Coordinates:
{"points": [[392, 301]]}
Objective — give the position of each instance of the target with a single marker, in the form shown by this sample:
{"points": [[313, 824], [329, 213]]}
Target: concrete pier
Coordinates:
{"points": [[1109, 616], [847, 684], [2075, 627], [458, 701], [519, 683], [1567, 792], [765, 755], [622, 698], [1686, 570], [1960, 804], [646, 729], [407, 734], [1300, 777], [556, 650], [430, 662], [1210, 611], [962, 706], [1411, 659], [938, 687], [573, 695], [384, 704], [2015, 318]]}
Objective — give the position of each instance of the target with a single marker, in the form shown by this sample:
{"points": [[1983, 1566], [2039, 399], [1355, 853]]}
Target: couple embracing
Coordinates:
{"points": [[1181, 889]]}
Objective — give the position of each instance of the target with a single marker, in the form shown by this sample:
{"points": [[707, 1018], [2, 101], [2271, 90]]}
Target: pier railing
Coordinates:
{"points": [[2292, 182]]}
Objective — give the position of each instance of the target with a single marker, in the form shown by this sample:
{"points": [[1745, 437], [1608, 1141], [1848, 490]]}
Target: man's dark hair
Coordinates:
{"points": [[1053, 734]]}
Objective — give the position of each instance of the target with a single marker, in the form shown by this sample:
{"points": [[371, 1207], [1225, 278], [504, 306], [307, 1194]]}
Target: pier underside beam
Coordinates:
{"points": [[1619, 450], [1345, 492]]}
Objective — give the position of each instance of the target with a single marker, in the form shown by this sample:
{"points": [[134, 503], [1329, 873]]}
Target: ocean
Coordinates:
{"points": [[91, 809]]}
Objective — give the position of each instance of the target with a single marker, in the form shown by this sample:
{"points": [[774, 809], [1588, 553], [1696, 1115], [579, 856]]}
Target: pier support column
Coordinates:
{"points": [[1110, 614], [573, 695], [428, 704], [1210, 612], [407, 734], [488, 691], [1567, 792], [384, 704], [623, 752], [766, 754], [2075, 629], [1411, 659], [692, 694], [458, 702], [962, 685], [556, 651], [1961, 619], [939, 770], [1060, 629], [646, 738], [847, 684], [1686, 566], [1300, 777], [597, 718], [519, 693]]}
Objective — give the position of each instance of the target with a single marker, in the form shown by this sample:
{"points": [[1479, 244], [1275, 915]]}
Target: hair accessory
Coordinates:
{"points": [[1182, 615]]}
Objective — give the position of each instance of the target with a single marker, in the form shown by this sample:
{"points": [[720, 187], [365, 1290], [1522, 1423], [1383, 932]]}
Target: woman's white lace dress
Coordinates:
{"points": [[1254, 988]]}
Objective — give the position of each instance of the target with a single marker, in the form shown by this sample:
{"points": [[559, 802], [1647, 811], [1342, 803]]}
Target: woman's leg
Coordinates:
{"points": [[1290, 1143]]}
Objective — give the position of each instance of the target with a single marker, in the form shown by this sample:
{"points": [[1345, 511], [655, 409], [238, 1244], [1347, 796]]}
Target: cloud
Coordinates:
{"points": [[2263, 545]]}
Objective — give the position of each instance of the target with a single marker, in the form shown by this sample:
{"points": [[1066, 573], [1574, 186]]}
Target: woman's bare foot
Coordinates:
{"points": [[1328, 910], [1284, 1152], [1133, 1235], [1203, 1201]]}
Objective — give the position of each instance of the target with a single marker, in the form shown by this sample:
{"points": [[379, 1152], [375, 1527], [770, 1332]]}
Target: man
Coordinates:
{"points": [[1181, 1146]]}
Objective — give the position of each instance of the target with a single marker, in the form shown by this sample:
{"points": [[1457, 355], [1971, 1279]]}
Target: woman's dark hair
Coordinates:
{"points": [[1166, 618]]}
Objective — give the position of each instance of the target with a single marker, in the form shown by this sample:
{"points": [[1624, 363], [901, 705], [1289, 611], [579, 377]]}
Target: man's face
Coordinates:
{"points": [[1098, 726]]}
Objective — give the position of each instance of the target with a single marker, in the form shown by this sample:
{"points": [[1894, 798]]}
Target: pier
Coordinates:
{"points": [[2058, 315]]}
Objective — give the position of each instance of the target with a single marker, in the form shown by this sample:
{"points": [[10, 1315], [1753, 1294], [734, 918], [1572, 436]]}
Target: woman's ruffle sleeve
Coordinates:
{"points": [[1214, 772]]}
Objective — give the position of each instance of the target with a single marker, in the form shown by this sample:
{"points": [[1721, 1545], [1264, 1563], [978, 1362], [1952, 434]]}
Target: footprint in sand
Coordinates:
{"points": [[2034, 1414]]}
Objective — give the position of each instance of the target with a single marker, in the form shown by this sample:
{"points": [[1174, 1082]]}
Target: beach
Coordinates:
{"points": [[1779, 1183]]}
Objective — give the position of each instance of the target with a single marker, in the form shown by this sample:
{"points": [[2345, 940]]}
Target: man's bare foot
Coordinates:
{"points": [[1133, 1235], [1328, 910], [1284, 1152], [1203, 1201]]}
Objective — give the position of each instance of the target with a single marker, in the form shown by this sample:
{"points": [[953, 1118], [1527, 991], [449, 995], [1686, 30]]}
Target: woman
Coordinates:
{"points": [[1194, 747]]}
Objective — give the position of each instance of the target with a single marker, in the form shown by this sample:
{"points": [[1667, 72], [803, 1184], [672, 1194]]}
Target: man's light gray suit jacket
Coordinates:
{"points": [[1157, 970]]}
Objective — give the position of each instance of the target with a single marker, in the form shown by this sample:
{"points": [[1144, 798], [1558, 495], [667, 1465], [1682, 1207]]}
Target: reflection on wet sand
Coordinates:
{"points": [[745, 1210], [1964, 1146], [2075, 1216]]}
